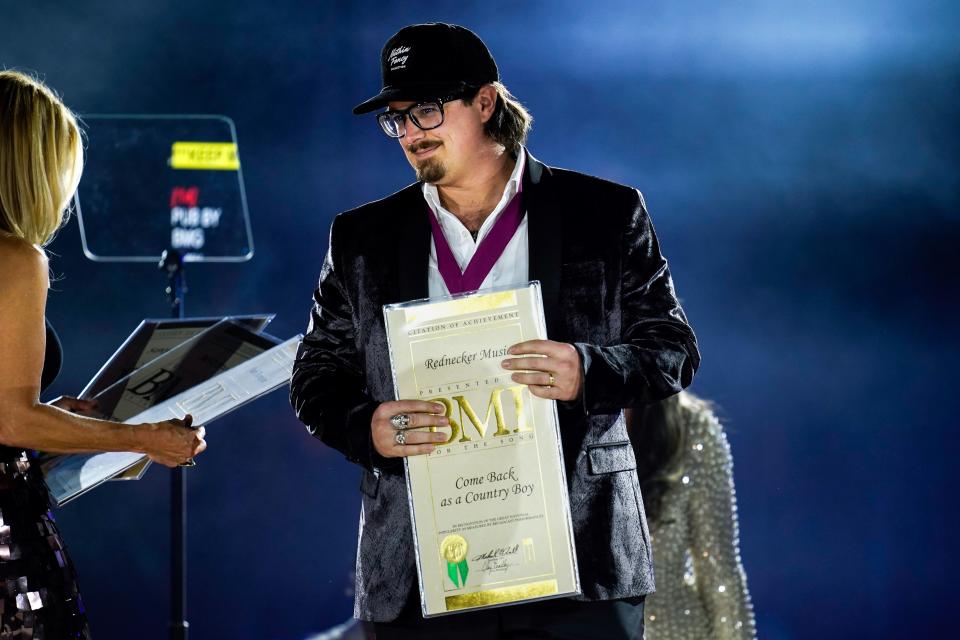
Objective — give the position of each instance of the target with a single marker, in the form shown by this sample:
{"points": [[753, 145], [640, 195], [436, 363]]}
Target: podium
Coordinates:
{"points": [[166, 369]]}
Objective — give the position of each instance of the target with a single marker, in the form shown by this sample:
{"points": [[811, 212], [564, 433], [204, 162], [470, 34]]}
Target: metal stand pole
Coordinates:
{"points": [[171, 262]]}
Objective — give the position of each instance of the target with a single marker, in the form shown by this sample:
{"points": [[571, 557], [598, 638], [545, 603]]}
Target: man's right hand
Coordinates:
{"points": [[421, 414]]}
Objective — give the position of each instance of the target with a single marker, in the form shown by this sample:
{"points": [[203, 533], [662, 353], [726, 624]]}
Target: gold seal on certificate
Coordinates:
{"points": [[454, 551], [489, 506]]}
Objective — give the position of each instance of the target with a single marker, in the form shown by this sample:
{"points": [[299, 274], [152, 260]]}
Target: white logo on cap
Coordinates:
{"points": [[398, 58]]}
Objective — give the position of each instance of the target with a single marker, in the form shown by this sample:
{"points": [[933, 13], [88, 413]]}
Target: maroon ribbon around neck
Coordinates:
{"points": [[487, 253]]}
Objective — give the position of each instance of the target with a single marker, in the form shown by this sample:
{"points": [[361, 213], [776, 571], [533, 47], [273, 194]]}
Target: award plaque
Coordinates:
{"points": [[489, 507]]}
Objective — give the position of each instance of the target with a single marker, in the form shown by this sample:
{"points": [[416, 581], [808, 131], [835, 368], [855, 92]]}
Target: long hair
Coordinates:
{"points": [[41, 159], [659, 433], [510, 122]]}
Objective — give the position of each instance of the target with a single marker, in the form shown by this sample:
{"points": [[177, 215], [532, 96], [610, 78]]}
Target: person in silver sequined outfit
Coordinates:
{"points": [[686, 477]]}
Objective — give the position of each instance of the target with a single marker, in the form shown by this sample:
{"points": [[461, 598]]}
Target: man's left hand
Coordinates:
{"points": [[551, 369]]}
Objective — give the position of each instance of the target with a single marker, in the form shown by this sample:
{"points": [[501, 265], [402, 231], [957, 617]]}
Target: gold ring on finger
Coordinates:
{"points": [[552, 381]]}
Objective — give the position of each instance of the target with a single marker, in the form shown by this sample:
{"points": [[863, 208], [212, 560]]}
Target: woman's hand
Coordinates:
{"points": [[174, 442]]}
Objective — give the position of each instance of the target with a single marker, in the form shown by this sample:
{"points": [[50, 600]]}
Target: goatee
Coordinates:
{"points": [[430, 170]]}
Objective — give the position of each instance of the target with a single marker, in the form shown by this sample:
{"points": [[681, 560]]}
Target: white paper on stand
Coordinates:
{"points": [[70, 476]]}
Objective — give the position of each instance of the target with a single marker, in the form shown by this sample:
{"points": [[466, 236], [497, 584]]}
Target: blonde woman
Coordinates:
{"points": [[686, 479], [40, 163]]}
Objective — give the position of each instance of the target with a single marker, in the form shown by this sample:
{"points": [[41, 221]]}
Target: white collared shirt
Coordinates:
{"points": [[513, 265]]}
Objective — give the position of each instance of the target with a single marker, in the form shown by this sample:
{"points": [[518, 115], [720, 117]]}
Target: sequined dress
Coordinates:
{"points": [[701, 586], [39, 599]]}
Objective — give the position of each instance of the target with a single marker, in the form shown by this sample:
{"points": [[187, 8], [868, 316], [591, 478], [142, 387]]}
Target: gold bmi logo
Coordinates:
{"points": [[494, 407]]}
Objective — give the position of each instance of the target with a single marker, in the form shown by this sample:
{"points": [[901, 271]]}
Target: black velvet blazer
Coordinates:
{"points": [[606, 289]]}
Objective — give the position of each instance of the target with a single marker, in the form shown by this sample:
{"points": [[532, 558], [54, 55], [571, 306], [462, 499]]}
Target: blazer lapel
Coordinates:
{"points": [[412, 245], [545, 234]]}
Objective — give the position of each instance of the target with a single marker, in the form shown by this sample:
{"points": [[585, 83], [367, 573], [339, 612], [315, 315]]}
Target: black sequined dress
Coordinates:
{"points": [[39, 599]]}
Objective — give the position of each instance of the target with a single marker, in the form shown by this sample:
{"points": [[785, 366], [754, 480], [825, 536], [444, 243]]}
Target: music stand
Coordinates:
{"points": [[165, 189]]}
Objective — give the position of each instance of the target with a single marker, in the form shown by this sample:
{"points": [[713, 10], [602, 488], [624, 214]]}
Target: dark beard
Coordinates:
{"points": [[430, 171]]}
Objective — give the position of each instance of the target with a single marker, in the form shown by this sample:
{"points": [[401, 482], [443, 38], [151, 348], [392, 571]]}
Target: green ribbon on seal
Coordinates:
{"points": [[458, 570]]}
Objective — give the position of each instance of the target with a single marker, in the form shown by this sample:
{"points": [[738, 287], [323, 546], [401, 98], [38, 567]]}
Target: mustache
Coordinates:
{"points": [[423, 145]]}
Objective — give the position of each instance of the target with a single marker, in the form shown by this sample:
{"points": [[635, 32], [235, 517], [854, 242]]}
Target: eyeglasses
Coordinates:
{"points": [[425, 115]]}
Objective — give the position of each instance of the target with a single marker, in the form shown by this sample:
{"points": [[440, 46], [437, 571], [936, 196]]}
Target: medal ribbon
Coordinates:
{"points": [[487, 253]]}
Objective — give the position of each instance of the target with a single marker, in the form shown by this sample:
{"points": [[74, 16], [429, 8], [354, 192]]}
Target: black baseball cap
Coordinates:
{"points": [[433, 60]]}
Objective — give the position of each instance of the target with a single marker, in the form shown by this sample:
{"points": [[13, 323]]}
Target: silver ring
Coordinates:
{"points": [[400, 438], [400, 421], [189, 462]]}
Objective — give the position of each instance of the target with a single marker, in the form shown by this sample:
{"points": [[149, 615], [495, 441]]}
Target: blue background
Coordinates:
{"points": [[800, 161]]}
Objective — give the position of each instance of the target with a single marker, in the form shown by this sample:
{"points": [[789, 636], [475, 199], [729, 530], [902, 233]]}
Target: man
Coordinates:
{"points": [[618, 337]]}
